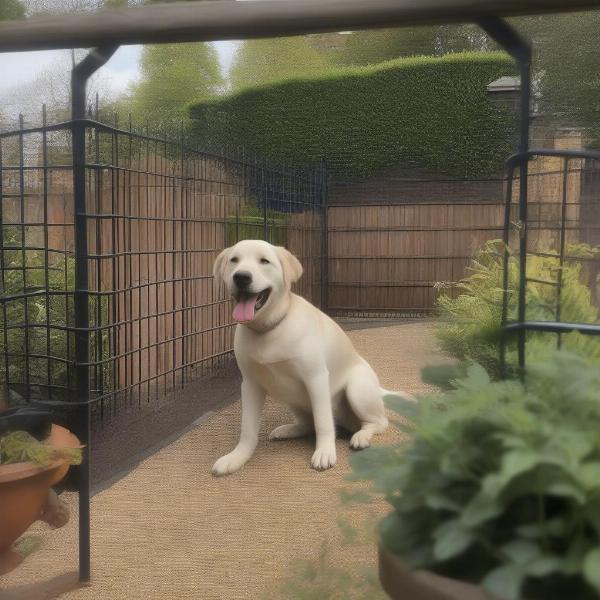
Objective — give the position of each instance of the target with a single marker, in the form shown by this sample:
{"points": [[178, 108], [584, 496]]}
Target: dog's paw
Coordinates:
{"points": [[324, 458], [361, 439], [230, 463], [290, 431]]}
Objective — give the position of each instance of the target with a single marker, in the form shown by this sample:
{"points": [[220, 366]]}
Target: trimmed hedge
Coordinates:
{"points": [[247, 227], [430, 111]]}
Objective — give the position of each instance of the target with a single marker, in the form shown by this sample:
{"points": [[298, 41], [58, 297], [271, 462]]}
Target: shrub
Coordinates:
{"points": [[250, 226], [20, 446], [432, 111], [48, 320], [471, 322], [500, 482]]}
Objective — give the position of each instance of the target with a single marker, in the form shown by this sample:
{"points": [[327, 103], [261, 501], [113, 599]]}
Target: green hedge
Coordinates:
{"points": [[247, 227], [430, 111]]}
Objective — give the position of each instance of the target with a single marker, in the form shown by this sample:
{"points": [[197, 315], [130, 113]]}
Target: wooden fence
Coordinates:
{"points": [[387, 259]]}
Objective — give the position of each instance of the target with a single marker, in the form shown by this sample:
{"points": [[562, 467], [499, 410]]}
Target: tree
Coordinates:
{"points": [[567, 63], [11, 9], [370, 47], [266, 60], [173, 76], [53, 88]]}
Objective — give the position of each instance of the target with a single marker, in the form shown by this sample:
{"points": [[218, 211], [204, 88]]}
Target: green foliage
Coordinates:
{"points": [[374, 46], [471, 322], [172, 76], [250, 226], [49, 343], [19, 446], [430, 111], [11, 9], [264, 61], [567, 60], [319, 578], [500, 482]]}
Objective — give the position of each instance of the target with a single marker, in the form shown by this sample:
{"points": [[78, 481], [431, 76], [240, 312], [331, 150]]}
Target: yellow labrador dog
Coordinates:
{"points": [[288, 349]]}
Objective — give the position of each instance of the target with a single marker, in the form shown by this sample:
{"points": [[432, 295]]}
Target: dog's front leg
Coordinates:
{"points": [[317, 386], [253, 399]]}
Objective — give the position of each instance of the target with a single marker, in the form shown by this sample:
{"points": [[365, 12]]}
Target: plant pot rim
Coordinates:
{"points": [[59, 437], [400, 581]]}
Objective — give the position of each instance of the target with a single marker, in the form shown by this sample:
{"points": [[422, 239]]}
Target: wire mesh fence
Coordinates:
{"points": [[552, 259], [157, 214]]}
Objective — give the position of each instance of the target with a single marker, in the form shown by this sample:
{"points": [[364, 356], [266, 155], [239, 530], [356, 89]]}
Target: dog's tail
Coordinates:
{"points": [[403, 395]]}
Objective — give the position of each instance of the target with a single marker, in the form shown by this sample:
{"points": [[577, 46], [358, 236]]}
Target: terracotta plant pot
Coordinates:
{"points": [[25, 492], [400, 583]]}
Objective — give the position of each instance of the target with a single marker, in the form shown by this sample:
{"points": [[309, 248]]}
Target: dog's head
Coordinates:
{"points": [[258, 275]]}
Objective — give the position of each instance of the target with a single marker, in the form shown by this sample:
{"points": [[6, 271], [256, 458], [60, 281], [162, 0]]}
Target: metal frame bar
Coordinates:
{"points": [[522, 326], [228, 20], [79, 78], [521, 51]]}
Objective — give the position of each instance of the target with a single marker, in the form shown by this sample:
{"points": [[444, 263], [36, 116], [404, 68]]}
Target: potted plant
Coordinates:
{"points": [[29, 467], [496, 490]]}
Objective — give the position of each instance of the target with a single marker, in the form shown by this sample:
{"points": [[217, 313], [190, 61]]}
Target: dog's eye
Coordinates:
{"points": [[235, 259], [264, 261]]}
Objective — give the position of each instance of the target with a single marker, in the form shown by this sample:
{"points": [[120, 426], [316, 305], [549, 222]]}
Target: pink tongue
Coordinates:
{"points": [[244, 309]]}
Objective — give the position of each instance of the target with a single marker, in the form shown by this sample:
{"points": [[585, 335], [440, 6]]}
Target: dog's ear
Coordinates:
{"points": [[292, 269], [219, 267]]}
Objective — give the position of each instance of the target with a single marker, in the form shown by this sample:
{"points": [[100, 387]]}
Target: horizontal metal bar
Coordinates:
{"points": [[383, 284], [36, 294], [519, 157], [554, 327], [542, 281], [227, 20], [405, 257], [416, 228], [39, 356]]}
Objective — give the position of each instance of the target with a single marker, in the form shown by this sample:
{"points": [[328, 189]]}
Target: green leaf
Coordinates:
{"points": [[573, 558], [566, 489], [451, 539], [442, 376], [517, 462], [477, 377], [366, 463], [553, 528], [403, 406], [480, 509], [505, 582], [589, 475], [437, 501], [521, 552], [544, 566], [591, 568]]}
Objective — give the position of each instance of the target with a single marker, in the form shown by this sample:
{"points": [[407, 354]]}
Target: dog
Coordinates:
{"points": [[288, 349]]}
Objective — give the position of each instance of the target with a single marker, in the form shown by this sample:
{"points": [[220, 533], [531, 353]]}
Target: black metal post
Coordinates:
{"points": [[520, 50], [79, 77]]}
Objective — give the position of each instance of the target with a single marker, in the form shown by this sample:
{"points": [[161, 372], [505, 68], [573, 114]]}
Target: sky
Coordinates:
{"points": [[21, 67]]}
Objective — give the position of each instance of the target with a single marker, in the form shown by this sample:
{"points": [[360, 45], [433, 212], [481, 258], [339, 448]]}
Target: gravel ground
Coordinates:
{"points": [[168, 530]]}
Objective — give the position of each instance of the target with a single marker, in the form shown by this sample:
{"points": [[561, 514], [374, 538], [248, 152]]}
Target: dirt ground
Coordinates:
{"points": [[169, 530]]}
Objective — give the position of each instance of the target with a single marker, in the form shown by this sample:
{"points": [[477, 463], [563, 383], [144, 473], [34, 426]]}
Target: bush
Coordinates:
{"points": [[500, 482], [471, 322], [48, 320], [432, 111], [250, 226]]}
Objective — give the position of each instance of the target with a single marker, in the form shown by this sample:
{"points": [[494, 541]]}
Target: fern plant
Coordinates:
{"points": [[470, 323], [499, 482], [20, 446]]}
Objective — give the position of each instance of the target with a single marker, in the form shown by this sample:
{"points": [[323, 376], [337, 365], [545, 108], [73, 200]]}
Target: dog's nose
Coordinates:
{"points": [[242, 279]]}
